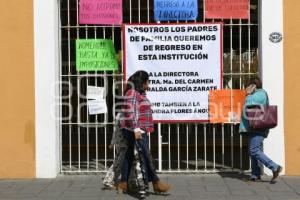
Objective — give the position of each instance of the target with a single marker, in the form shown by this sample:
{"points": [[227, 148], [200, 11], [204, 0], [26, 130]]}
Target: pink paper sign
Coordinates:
{"points": [[100, 12]]}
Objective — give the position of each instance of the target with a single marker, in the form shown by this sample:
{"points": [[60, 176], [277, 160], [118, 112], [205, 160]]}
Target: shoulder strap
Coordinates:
{"points": [[267, 96]]}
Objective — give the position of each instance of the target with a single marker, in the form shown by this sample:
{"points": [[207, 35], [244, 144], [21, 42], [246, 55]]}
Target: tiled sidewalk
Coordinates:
{"points": [[184, 187]]}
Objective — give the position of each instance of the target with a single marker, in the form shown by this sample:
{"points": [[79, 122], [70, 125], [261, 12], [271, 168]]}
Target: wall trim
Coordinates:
{"points": [[46, 34], [271, 20]]}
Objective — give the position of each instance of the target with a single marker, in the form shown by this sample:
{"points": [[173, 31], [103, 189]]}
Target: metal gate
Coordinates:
{"points": [[180, 148]]}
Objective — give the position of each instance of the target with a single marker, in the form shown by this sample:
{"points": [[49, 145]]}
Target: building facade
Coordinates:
{"points": [[37, 38]]}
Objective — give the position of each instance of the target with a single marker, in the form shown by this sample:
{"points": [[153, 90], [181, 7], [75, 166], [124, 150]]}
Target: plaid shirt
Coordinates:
{"points": [[138, 113]]}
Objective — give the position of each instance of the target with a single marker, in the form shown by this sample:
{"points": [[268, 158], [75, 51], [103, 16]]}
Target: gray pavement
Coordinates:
{"points": [[184, 187]]}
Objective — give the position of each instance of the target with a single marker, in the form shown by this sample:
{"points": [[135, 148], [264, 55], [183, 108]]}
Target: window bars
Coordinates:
{"points": [[176, 148]]}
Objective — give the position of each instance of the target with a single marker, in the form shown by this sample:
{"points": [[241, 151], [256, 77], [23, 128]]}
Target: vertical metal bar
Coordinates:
{"points": [[70, 88], [223, 152], [178, 148], [60, 89], [97, 145], [105, 115], [249, 43], [223, 27], [196, 147], [169, 145], [130, 11], [139, 9], [95, 37], [159, 148], [204, 11], [88, 145], [214, 147], [149, 137], [249, 47], [240, 80], [96, 120], [122, 70], [231, 78], [241, 152], [205, 151], [87, 117], [78, 94], [222, 88], [240, 51], [123, 77], [113, 88], [148, 11], [231, 91], [231, 143], [187, 146], [105, 141], [231, 60], [122, 58]]}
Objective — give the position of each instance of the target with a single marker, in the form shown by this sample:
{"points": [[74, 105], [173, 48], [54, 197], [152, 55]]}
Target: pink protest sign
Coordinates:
{"points": [[100, 12]]}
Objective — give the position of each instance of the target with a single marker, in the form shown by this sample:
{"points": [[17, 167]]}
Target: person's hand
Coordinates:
{"points": [[250, 89], [138, 135]]}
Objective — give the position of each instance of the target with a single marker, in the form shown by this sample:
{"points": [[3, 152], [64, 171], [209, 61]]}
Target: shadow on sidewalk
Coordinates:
{"points": [[242, 177], [135, 193]]}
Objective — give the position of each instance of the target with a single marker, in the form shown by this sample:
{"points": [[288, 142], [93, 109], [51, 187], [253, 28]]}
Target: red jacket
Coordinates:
{"points": [[137, 110]]}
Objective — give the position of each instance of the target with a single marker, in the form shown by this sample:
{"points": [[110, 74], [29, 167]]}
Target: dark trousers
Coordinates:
{"points": [[147, 162]]}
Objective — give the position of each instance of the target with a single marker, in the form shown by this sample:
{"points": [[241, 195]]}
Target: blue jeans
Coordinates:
{"points": [[257, 155], [129, 157]]}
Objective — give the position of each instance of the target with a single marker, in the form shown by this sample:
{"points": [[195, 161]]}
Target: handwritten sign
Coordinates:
{"points": [[170, 10], [224, 9], [95, 55], [94, 92], [100, 12], [97, 106], [226, 105]]}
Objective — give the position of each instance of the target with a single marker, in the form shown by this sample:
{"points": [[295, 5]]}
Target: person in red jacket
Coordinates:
{"points": [[136, 125]]}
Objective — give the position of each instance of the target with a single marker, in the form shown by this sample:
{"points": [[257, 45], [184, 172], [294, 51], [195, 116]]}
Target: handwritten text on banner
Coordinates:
{"points": [[95, 55], [170, 10], [100, 12]]}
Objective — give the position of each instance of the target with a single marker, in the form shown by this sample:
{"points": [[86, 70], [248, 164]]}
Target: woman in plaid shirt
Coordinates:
{"points": [[136, 126]]}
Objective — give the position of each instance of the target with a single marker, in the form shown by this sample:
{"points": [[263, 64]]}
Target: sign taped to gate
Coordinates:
{"points": [[224, 9], [184, 62], [172, 10], [97, 106], [225, 106], [95, 55], [95, 92], [100, 12]]}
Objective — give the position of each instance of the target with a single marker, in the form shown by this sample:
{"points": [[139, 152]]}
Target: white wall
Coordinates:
{"points": [[272, 75], [46, 75]]}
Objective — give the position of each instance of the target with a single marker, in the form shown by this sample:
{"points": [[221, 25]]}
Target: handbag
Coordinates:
{"points": [[261, 117]]}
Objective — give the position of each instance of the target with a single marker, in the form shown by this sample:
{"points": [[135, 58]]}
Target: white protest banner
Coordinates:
{"points": [[184, 62], [97, 106], [94, 92]]}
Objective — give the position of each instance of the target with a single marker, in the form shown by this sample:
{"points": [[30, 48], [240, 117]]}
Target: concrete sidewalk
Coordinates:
{"points": [[184, 187]]}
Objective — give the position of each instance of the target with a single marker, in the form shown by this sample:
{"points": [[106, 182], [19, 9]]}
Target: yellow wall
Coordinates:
{"points": [[292, 85], [17, 143]]}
